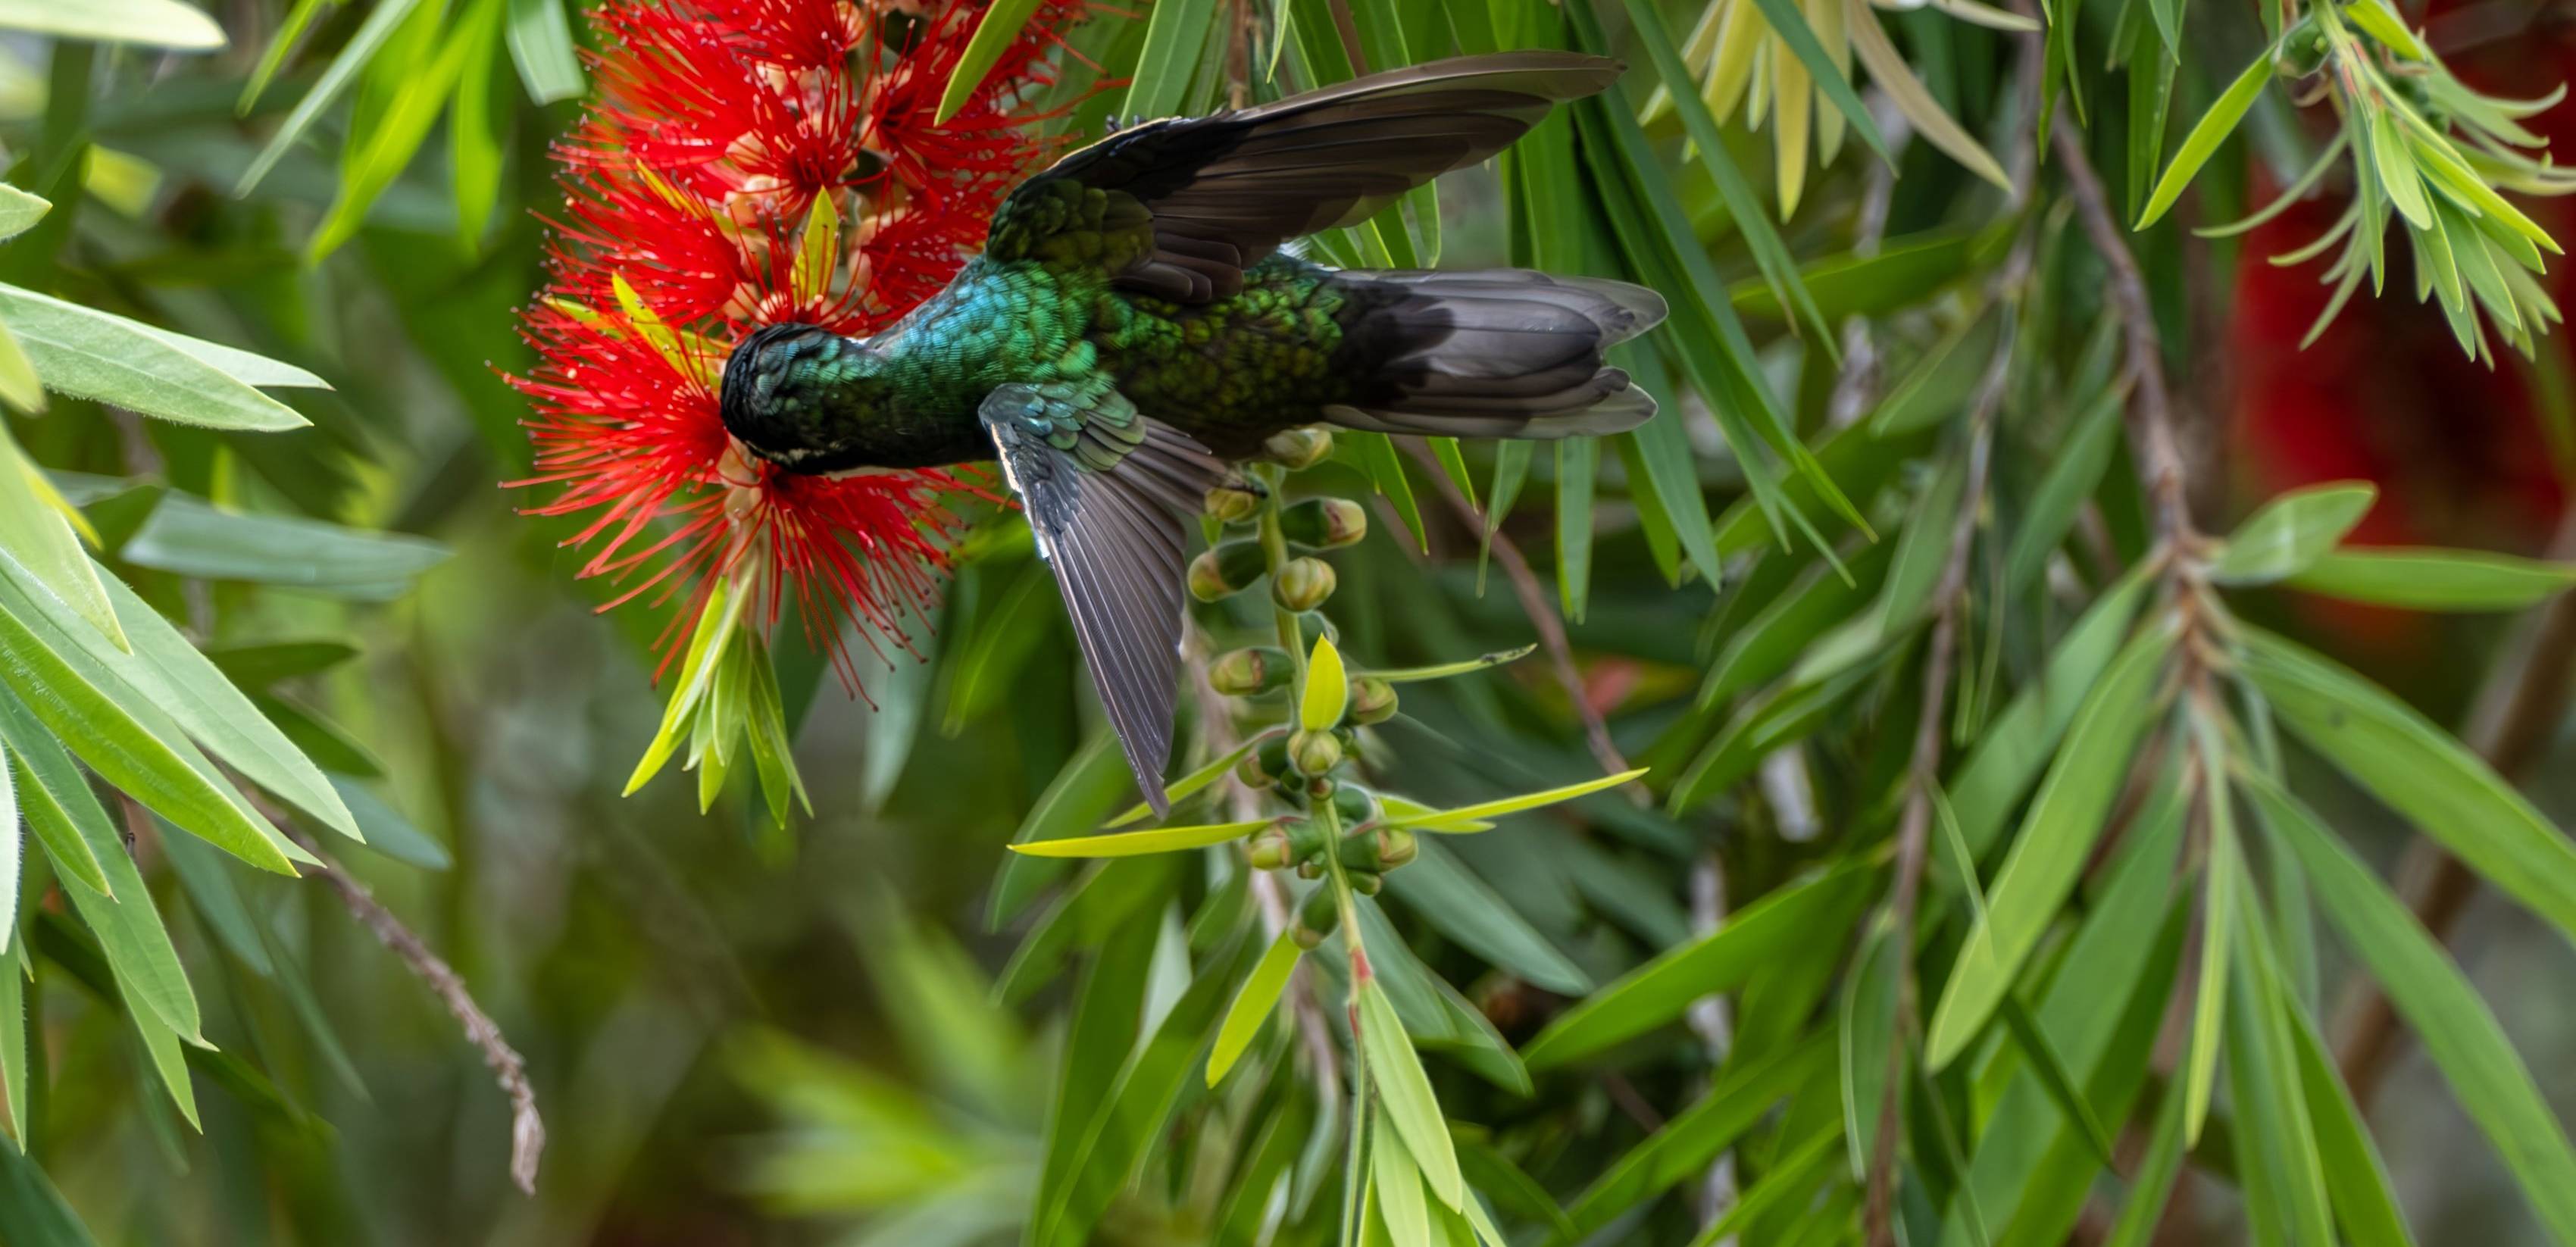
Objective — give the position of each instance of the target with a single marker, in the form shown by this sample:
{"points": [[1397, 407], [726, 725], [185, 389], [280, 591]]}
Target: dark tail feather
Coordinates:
{"points": [[1497, 353]]}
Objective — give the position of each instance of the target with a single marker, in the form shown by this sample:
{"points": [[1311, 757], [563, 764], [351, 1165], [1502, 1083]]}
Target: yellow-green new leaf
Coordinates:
{"points": [[1456, 819], [2211, 130], [19, 210], [1404, 1094], [1328, 689], [1252, 1006], [1190, 784], [1397, 1184], [1137, 843], [143, 23], [1439, 671]]}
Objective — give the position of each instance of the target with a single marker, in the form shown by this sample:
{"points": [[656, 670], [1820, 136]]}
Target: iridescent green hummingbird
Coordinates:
{"points": [[1133, 326]]}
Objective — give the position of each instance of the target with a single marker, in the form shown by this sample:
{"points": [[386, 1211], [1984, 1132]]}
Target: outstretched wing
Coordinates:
{"points": [[1106, 490], [1179, 208]]}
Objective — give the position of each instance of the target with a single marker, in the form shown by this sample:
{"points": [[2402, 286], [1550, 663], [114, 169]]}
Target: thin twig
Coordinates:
{"points": [[2524, 702], [1533, 599], [527, 1129], [2152, 423]]}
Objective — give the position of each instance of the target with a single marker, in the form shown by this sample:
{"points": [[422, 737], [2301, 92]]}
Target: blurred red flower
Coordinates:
{"points": [[718, 127]]}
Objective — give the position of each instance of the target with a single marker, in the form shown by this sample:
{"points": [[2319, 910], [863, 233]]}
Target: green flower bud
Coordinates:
{"points": [[1396, 846], [1226, 570], [1324, 523], [1245, 672], [1270, 849], [1353, 805], [1299, 448], [1317, 917], [1314, 753], [1230, 504], [1366, 883], [1251, 774], [1303, 584], [1372, 700]]}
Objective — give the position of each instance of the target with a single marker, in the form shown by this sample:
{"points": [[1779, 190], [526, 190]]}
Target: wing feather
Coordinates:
{"points": [[1110, 508]]}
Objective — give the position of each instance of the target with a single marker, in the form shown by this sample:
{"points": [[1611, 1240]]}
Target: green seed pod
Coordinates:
{"points": [[1366, 883], [1246, 672], [1230, 505], [1299, 448], [1372, 700], [1226, 570], [1314, 753], [1324, 523], [1303, 584]]}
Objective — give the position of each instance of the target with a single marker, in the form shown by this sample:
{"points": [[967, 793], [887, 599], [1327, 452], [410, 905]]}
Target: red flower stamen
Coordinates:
{"points": [[718, 126]]}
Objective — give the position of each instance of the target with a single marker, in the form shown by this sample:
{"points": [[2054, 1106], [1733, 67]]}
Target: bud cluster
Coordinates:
{"points": [[1334, 830]]}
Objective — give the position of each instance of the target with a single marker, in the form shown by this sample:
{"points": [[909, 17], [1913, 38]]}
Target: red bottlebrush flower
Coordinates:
{"points": [[720, 126]]}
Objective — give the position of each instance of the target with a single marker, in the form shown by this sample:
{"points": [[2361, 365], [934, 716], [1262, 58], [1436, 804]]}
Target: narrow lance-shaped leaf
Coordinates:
{"points": [[1252, 1005], [2212, 129], [1404, 1094], [1133, 843], [2064, 820], [1454, 819]]}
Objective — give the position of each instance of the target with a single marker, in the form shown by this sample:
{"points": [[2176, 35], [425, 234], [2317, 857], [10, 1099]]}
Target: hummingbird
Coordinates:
{"points": [[1136, 326]]}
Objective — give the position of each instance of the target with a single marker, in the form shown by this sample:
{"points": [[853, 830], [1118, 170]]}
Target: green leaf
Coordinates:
{"points": [[1191, 784], [187, 687], [2075, 467], [2365, 1204], [19, 210], [2064, 821], [1868, 1013], [93, 355], [260, 664], [53, 797], [370, 164], [32, 1212], [2211, 130], [1660, 991], [1455, 819], [993, 34], [2055, 1076], [1327, 689], [12, 851], [1175, 34], [1133, 843], [1404, 1093], [382, 21], [387, 831], [1442, 671], [37, 541], [2018, 742], [188, 536], [1452, 899], [541, 45], [70, 694], [144, 23], [13, 1046], [2220, 897], [2291, 532], [1089, 786], [1252, 1006], [1894, 76], [2456, 1027], [2435, 580], [1396, 1183], [1681, 1151], [2421, 772]]}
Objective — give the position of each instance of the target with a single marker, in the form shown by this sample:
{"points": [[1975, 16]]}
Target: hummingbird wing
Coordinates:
{"points": [[1107, 491], [1178, 208]]}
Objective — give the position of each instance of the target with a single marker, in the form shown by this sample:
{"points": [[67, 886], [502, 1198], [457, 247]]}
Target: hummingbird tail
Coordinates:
{"points": [[1496, 353]]}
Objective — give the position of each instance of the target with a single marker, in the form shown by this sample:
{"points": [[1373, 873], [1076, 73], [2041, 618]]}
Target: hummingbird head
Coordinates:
{"points": [[804, 397]]}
